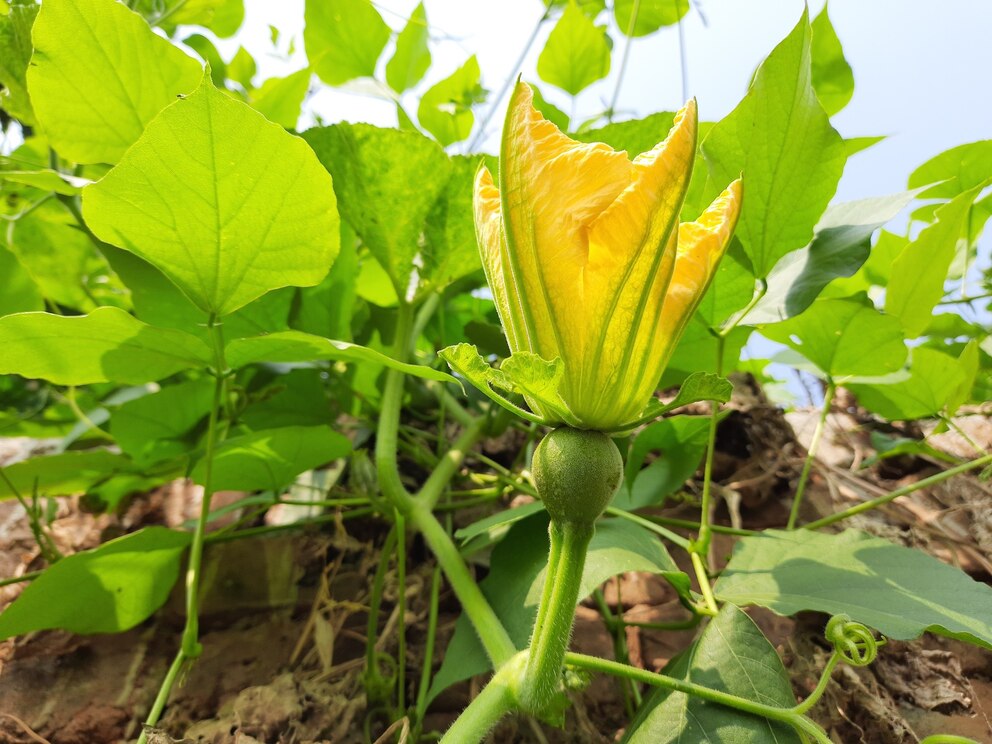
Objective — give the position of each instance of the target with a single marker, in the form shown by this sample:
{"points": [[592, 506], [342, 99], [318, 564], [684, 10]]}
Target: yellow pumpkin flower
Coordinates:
{"points": [[587, 261]]}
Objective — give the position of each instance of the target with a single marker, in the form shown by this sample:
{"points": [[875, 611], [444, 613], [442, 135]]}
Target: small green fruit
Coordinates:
{"points": [[576, 472]]}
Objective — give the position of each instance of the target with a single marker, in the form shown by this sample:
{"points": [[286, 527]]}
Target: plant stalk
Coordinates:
{"points": [[821, 424]]}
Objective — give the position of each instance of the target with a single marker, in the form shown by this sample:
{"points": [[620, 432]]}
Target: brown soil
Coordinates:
{"points": [[285, 616]]}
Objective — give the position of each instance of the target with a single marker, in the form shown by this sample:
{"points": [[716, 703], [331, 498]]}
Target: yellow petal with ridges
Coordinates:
{"points": [[701, 246], [489, 234], [552, 187], [631, 256]]}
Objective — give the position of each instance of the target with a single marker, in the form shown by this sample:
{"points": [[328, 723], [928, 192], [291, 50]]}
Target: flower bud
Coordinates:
{"points": [[576, 472]]}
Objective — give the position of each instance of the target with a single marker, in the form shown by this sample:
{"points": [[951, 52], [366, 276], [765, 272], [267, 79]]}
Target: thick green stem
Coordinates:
{"points": [[881, 500], [446, 468], [493, 635], [553, 628], [389, 418], [821, 425]]}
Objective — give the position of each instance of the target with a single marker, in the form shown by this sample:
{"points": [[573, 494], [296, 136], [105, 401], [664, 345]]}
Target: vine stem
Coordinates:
{"points": [[190, 647], [821, 425], [418, 511], [489, 706], [791, 716], [882, 500]]}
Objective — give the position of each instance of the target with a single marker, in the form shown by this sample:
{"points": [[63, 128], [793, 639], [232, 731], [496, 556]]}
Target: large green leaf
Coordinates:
{"points": [[60, 258], [223, 202], [780, 138], [450, 250], [108, 345], [918, 273], [223, 17], [833, 79], [651, 15], [106, 590], [15, 52], [92, 112], [899, 591], [955, 171], [732, 288], [20, 292], [934, 381], [343, 38], [680, 442], [64, 474], [280, 99], [839, 248], [635, 135], [445, 110], [154, 427], [576, 54], [380, 177], [159, 302], [289, 347], [844, 337], [411, 59], [271, 459], [513, 585], [732, 655]]}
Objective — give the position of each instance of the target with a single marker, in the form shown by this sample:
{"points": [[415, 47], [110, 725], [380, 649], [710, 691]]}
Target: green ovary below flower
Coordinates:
{"points": [[588, 263]]}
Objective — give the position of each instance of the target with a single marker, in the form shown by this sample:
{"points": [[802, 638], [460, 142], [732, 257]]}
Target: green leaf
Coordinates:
{"points": [[732, 288], [270, 460], [844, 337], [779, 136], [500, 519], [697, 351], [854, 145], [106, 590], [576, 54], [635, 135], [379, 178], [412, 58], [445, 110], [450, 250], [290, 347], [343, 39], [223, 17], [326, 310], [297, 398], [954, 171], [898, 591], [548, 110], [680, 442], [523, 372], [833, 79], [223, 202], [206, 50], [513, 585], [698, 386], [93, 112], [935, 380], [840, 246], [916, 284], [159, 302], [732, 655], [242, 68], [20, 293], [46, 180], [108, 345], [60, 257], [153, 428], [651, 15], [280, 99], [15, 53], [64, 474]]}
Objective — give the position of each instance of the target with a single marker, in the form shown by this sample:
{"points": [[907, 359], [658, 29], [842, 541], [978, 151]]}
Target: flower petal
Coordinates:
{"points": [[632, 248], [701, 246], [552, 188], [492, 247]]}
